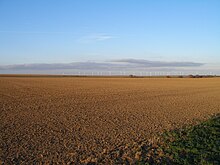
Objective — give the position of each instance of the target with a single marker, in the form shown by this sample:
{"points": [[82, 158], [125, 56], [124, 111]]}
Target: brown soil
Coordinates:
{"points": [[82, 120]]}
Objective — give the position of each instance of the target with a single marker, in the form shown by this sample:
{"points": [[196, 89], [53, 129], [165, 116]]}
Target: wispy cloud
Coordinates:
{"points": [[122, 64], [96, 38], [147, 63]]}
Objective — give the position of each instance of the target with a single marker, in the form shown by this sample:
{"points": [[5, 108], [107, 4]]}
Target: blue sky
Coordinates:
{"points": [[52, 31]]}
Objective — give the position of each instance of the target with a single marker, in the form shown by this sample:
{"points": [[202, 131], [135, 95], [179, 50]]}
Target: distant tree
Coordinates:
{"points": [[198, 76], [191, 76]]}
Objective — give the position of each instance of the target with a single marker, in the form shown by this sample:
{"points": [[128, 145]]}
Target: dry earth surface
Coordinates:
{"points": [[101, 120]]}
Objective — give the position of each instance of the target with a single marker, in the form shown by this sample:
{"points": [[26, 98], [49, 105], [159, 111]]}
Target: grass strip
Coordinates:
{"points": [[198, 144]]}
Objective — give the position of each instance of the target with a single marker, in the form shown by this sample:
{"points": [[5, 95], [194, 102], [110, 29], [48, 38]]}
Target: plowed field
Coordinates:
{"points": [[81, 120]]}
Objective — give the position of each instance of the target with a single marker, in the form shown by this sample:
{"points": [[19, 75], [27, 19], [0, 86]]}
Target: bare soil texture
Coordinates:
{"points": [[100, 120]]}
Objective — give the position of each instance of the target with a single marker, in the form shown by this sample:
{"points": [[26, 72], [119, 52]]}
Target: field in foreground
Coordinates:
{"points": [[81, 120]]}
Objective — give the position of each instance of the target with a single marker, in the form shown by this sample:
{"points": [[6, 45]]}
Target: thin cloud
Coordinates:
{"points": [[57, 66], [122, 64], [147, 63], [96, 38]]}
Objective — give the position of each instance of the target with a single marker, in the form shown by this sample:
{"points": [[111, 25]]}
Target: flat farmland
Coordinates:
{"points": [[81, 120]]}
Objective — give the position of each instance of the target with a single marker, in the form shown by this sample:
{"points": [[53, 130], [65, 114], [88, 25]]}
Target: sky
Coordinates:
{"points": [[112, 33]]}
